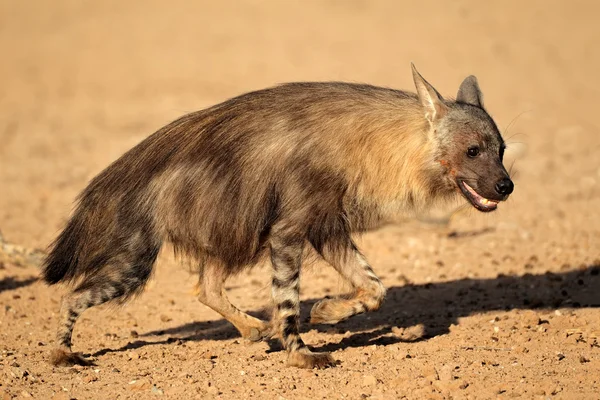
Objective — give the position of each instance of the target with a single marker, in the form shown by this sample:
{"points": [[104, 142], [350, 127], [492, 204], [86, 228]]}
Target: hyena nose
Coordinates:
{"points": [[504, 187]]}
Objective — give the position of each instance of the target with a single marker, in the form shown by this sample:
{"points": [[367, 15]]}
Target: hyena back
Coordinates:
{"points": [[269, 173]]}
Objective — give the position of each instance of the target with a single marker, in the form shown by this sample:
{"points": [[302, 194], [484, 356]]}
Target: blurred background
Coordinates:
{"points": [[82, 81]]}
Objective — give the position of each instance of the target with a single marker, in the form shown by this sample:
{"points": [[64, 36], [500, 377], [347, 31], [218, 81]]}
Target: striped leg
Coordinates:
{"points": [[91, 292], [368, 291], [286, 257], [122, 277], [72, 306]]}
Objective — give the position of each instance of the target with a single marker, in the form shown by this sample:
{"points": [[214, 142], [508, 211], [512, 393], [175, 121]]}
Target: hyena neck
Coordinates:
{"points": [[396, 174]]}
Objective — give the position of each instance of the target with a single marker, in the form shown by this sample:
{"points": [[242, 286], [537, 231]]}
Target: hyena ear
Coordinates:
{"points": [[431, 100], [470, 93]]}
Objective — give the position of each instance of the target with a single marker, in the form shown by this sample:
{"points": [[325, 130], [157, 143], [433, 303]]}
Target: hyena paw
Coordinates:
{"points": [[330, 311], [304, 358], [258, 333], [64, 358]]}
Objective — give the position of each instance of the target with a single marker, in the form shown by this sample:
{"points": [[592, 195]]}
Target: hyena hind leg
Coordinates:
{"points": [[368, 291], [113, 282], [212, 294], [72, 306]]}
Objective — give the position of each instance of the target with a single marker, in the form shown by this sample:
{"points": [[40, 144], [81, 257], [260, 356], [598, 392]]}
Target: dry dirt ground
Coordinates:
{"points": [[486, 306]]}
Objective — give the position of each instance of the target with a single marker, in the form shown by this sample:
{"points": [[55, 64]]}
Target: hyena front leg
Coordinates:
{"points": [[368, 291], [286, 257], [212, 294]]}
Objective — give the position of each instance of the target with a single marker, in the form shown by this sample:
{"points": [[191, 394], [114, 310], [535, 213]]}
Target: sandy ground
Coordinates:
{"points": [[488, 306]]}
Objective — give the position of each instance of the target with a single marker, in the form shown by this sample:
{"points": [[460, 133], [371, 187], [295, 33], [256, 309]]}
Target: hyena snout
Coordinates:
{"points": [[504, 186]]}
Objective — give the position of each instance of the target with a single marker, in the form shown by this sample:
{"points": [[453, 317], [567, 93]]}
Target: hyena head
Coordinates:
{"points": [[469, 145]]}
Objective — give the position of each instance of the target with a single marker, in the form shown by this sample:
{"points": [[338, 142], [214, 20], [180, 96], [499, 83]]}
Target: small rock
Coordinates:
{"points": [[208, 355], [165, 318], [26, 394], [448, 386], [445, 373], [134, 334], [410, 334], [521, 349], [584, 359], [132, 355], [156, 391], [430, 372], [90, 378], [369, 380], [553, 390], [18, 373], [140, 385], [529, 319]]}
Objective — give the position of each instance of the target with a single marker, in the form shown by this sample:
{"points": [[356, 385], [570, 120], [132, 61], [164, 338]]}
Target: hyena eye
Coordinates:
{"points": [[473, 151]]}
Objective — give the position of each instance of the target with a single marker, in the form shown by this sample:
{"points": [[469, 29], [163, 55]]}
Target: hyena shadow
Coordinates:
{"points": [[10, 283], [431, 307]]}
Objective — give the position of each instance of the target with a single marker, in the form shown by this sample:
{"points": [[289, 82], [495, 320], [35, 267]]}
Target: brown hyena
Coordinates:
{"points": [[267, 174]]}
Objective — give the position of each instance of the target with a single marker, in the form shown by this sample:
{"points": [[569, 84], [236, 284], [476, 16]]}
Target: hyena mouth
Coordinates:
{"points": [[479, 202]]}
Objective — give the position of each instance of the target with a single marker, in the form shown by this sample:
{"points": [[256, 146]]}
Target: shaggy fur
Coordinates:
{"points": [[269, 173]]}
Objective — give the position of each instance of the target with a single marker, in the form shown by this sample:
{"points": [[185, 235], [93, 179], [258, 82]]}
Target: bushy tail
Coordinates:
{"points": [[62, 260]]}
